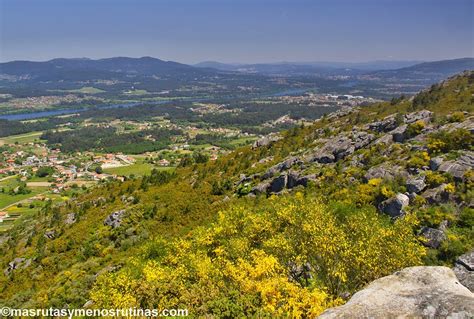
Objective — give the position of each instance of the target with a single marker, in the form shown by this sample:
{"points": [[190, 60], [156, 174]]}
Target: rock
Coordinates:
{"points": [[433, 237], [288, 163], [261, 188], [280, 167], [384, 171], [416, 185], [361, 139], [292, 180], [399, 134], [322, 157], [278, 184], [435, 162], [70, 219], [50, 234], [467, 260], [243, 179], [266, 141], [436, 195], [394, 206], [342, 148], [305, 180], [423, 115], [384, 139], [115, 219], [270, 172], [459, 167], [300, 272], [17, 263], [387, 124], [464, 269], [415, 292]]}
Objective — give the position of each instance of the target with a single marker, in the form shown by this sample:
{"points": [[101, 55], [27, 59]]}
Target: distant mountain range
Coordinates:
{"points": [[154, 75], [86, 69], [322, 66], [382, 69], [436, 69]]}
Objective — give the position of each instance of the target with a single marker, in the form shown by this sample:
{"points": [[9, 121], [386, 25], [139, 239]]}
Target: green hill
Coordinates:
{"points": [[288, 227]]}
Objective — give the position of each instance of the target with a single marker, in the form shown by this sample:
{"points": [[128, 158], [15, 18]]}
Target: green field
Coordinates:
{"points": [[87, 90], [138, 169], [6, 199], [22, 138]]}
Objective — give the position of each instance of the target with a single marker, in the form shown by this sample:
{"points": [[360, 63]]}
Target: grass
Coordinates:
{"points": [[6, 199], [136, 92], [22, 138], [138, 169], [87, 90]]}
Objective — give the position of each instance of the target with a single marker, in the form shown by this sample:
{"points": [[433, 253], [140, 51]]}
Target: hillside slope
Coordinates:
{"points": [[291, 226]]}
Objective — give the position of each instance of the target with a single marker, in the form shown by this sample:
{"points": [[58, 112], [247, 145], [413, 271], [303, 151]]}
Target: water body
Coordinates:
{"points": [[40, 114]]}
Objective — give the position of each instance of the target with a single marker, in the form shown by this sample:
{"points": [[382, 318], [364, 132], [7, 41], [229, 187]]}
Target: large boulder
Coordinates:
{"points": [[416, 184], [436, 195], [385, 171], [423, 115], [267, 140], [261, 188], [17, 263], [387, 124], [435, 163], [433, 238], [322, 156], [457, 168], [399, 134], [278, 184], [70, 219], [361, 139], [464, 269], [115, 219], [394, 207], [415, 292], [280, 167], [305, 180], [293, 180]]}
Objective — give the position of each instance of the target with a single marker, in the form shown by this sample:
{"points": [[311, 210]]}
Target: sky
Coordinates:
{"points": [[244, 31]]}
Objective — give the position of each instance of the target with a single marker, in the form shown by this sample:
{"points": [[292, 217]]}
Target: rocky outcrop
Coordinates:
{"points": [[436, 195], [433, 238], [265, 141], [278, 184], [464, 269], [435, 163], [115, 219], [341, 146], [70, 219], [280, 167], [416, 184], [387, 124], [385, 172], [457, 168], [399, 134], [50, 234], [17, 263], [423, 115], [394, 206], [415, 292]]}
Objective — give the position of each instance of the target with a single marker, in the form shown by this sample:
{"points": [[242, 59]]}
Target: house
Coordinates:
{"points": [[3, 215], [163, 162]]}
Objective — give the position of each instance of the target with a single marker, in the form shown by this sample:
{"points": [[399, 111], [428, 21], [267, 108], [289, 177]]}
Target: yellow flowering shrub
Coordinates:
{"points": [[281, 257]]}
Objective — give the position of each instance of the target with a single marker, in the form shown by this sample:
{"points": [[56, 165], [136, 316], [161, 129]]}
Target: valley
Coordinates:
{"points": [[264, 193]]}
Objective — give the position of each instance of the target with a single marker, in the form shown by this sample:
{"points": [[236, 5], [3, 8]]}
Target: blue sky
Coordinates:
{"points": [[246, 31]]}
